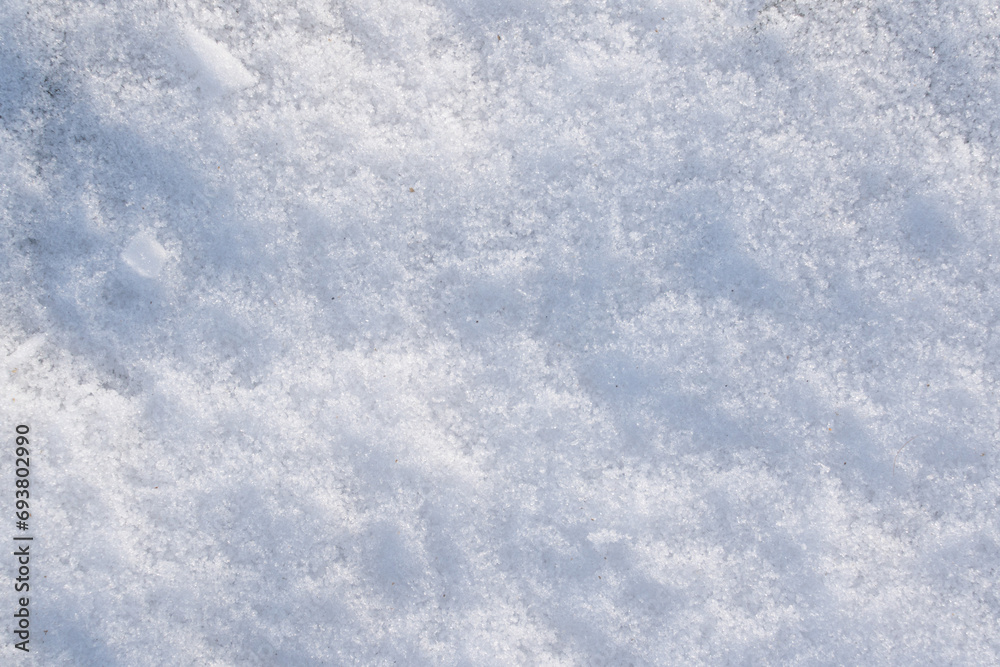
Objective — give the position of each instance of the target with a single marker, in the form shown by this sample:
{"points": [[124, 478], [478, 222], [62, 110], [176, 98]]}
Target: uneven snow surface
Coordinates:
{"points": [[457, 332]]}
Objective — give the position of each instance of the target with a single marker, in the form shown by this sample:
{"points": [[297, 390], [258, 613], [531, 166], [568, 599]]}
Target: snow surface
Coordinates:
{"points": [[468, 333]]}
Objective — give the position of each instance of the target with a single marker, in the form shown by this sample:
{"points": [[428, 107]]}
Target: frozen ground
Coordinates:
{"points": [[469, 333]]}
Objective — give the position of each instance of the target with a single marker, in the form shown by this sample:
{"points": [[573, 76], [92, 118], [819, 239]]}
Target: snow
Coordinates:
{"points": [[465, 332]]}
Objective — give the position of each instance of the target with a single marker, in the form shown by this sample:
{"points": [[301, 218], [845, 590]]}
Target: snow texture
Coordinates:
{"points": [[494, 333]]}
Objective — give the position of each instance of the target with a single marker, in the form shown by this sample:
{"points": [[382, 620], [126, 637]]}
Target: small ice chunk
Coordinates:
{"points": [[218, 67], [144, 255]]}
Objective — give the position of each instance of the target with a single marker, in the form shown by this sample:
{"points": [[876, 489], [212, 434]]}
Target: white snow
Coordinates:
{"points": [[474, 333]]}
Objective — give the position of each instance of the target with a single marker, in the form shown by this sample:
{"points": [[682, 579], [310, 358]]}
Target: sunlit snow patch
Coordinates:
{"points": [[144, 255]]}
